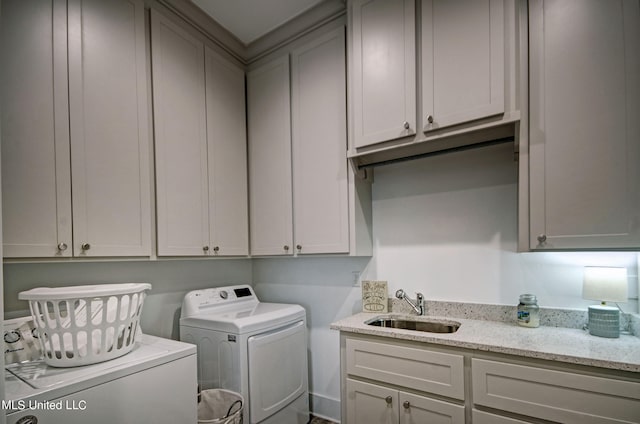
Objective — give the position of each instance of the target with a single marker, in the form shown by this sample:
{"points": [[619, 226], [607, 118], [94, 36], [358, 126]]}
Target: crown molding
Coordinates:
{"points": [[295, 28]]}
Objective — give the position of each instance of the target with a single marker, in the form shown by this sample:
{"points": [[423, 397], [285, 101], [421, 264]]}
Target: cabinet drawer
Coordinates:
{"points": [[419, 369], [554, 395], [481, 417]]}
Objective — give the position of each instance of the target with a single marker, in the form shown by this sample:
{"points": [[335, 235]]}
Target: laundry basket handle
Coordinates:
{"points": [[229, 411]]}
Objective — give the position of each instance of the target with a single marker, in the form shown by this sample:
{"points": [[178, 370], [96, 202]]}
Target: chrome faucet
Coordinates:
{"points": [[418, 306]]}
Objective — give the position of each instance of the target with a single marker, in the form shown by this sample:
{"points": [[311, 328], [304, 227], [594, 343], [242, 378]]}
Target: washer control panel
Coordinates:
{"points": [[199, 300]]}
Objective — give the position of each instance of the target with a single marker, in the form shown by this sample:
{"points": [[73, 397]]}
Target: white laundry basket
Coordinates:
{"points": [[220, 406], [84, 325]]}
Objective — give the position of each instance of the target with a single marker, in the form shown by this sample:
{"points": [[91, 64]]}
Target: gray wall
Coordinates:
{"points": [[170, 280]]}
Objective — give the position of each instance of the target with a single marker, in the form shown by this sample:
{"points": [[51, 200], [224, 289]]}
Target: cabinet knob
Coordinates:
{"points": [[205, 248], [406, 404], [216, 249], [406, 125], [430, 119], [85, 246], [29, 419], [286, 247], [299, 247], [542, 238], [388, 399], [62, 246]]}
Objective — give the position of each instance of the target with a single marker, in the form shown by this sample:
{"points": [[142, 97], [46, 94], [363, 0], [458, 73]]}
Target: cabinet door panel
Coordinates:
{"points": [[462, 60], [585, 132], [369, 403], [36, 180], [320, 186], [269, 115], [384, 83], [554, 395], [181, 144], [417, 369], [109, 134], [227, 152], [419, 409]]}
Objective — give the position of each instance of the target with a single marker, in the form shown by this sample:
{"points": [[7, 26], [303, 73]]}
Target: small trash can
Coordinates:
{"points": [[219, 406]]}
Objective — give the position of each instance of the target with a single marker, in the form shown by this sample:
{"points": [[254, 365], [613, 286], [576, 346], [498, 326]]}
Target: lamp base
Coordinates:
{"points": [[604, 321]]}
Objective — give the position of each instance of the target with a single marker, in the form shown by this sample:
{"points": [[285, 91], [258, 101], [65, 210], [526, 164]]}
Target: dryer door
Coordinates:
{"points": [[277, 369]]}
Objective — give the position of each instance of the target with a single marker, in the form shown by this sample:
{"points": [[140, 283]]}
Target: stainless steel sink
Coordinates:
{"points": [[425, 326]]}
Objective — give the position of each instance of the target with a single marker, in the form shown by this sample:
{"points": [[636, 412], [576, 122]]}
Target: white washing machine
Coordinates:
{"points": [[155, 383], [254, 348]]}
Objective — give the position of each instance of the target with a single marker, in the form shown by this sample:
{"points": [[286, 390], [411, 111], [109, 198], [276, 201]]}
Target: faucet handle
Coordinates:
{"points": [[400, 294]]}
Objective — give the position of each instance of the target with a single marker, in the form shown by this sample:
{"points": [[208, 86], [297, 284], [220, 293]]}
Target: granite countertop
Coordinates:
{"points": [[569, 345]]}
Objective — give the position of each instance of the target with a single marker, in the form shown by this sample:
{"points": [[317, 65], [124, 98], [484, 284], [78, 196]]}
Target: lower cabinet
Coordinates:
{"points": [[410, 379], [370, 403], [387, 381]]}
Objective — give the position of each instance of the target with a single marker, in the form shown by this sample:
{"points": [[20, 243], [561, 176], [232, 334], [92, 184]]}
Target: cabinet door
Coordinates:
{"points": [[108, 128], [319, 139], [384, 76], [419, 409], [371, 404], [584, 129], [269, 115], [180, 138], [227, 156], [462, 61], [36, 180]]}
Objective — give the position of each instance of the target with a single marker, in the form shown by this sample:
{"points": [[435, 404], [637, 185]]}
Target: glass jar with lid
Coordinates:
{"points": [[528, 311]]}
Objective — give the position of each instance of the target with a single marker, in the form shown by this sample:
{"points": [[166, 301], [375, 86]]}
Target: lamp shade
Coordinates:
{"points": [[605, 284]]}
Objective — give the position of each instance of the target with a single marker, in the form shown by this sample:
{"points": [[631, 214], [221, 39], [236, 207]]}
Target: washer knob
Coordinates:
{"points": [[12, 336], [224, 294]]}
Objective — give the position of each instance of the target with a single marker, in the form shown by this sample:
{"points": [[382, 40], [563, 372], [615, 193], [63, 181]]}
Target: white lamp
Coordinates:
{"points": [[606, 285]]}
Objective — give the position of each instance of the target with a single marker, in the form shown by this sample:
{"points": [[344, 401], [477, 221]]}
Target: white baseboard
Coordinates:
{"points": [[325, 407]]}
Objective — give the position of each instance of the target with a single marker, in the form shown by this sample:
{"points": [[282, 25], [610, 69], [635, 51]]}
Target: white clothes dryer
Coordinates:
{"points": [[254, 348]]}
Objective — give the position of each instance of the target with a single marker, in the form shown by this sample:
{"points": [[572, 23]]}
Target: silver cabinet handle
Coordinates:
{"points": [[430, 119], [62, 246], [388, 399], [85, 246], [542, 238], [216, 249], [205, 248], [406, 404], [406, 125], [286, 247]]}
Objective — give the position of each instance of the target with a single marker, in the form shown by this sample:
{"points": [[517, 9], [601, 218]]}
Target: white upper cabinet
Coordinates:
{"points": [[180, 139], [200, 146], [384, 71], [304, 198], [36, 173], [109, 128], [431, 75], [89, 133], [319, 134], [269, 133], [227, 154], [584, 129], [462, 61]]}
